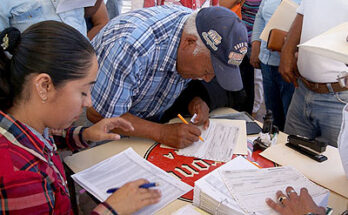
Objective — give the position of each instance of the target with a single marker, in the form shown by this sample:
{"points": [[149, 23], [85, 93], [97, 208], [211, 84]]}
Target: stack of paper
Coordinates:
{"points": [[129, 166], [250, 188], [238, 187], [212, 195], [222, 139]]}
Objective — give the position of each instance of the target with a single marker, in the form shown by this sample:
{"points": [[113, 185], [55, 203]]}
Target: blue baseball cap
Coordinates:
{"points": [[226, 37]]}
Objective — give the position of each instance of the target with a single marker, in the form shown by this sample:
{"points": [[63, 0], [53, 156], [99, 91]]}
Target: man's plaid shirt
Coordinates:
{"points": [[137, 55]]}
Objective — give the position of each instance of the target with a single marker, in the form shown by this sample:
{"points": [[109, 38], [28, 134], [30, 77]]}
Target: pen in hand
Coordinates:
{"points": [[144, 186], [184, 121]]}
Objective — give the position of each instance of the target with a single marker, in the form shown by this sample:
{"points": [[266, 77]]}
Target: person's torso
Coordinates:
{"points": [[249, 11], [28, 155], [319, 17], [24, 13], [266, 56], [155, 35]]}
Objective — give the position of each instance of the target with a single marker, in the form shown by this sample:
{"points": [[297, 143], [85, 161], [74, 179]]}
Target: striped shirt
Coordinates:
{"points": [[32, 178], [249, 11], [137, 62]]}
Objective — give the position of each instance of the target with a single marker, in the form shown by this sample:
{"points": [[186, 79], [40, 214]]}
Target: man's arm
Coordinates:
{"points": [[176, 135], [287, 66]]}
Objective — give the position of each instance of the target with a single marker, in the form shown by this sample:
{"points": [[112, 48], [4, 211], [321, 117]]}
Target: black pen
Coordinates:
{"points": [[145, 186]]}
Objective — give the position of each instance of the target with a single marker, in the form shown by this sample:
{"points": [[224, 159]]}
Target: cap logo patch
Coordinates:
{"points": [[240, 46], [212, 38], [236, 57]]}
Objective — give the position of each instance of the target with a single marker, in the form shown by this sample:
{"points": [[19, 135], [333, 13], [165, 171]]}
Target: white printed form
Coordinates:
{"points": [[250, 188], [129, 166], [220, 140], [213, 186]]}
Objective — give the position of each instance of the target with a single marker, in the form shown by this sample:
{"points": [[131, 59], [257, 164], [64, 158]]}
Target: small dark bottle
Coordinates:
{"points": [[267, 122]]}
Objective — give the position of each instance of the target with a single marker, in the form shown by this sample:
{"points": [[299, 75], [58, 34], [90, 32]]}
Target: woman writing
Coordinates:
{"points": [[45, 83]]}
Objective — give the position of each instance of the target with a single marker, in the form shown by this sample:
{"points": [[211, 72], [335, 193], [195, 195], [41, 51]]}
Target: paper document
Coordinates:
{"points": [[329, 174], [129, 166], [66, 5], [189, 210], [281, 19], [250, 188], [222, 139], [212, 195], [332, 44]]}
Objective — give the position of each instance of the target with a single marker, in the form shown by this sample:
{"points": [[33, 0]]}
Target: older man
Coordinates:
{"points": [[147, 57]]}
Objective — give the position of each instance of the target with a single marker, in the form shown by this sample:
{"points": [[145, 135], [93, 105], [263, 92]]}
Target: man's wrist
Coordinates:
{"points": [[328, 211]]}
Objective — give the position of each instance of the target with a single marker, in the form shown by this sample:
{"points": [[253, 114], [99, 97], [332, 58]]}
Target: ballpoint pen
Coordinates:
{"points": [[145, 186], [184, 121]]}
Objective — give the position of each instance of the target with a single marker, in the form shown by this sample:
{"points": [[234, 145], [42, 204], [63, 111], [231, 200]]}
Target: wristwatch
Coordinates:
{"points": [[329, 211]]}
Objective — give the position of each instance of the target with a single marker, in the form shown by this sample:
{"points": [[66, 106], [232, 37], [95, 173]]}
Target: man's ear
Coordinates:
{"points": [[190, 41], [43, 84]]}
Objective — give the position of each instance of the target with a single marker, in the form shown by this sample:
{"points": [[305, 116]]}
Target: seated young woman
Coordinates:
{"points": [[45, 79]]}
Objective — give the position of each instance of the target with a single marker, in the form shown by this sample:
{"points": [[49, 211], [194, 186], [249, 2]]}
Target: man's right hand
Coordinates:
{"points": [[254, 57], [179, 135], [288, 55], [287, 67], [293, 204]]}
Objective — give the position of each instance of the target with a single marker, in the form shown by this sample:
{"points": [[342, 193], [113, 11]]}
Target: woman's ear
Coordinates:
{"points": [[43, 84]]}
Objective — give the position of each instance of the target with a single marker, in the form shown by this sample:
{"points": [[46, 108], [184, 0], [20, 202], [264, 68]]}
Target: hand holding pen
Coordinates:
{"points": [[144, 186], [184, 121], [130, 198]]}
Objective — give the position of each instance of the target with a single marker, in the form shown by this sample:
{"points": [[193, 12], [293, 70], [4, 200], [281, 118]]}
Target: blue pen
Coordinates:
{"points": [[145, 186]]}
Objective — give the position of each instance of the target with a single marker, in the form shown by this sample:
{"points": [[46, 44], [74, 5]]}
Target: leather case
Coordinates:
{"points": [[276, 39]]}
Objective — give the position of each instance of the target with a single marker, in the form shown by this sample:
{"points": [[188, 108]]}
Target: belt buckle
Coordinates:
{"points": [[342, 79], [316, 85]]}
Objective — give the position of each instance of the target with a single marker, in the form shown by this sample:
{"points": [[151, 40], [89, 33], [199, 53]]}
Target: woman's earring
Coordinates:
{"points": [[43, 97], [43, 100]]}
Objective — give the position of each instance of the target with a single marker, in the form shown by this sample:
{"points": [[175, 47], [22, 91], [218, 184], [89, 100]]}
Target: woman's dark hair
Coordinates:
{"points": [[47, 47]]}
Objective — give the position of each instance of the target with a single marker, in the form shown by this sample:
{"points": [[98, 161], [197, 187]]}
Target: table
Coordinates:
{"points": [[85, 159]]}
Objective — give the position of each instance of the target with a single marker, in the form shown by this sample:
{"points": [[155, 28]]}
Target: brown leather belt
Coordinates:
{"points": [[322, 87]]}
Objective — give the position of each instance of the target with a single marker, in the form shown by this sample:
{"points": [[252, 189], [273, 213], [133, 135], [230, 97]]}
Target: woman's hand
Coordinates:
{"points": [[101, 130], [130, 198]]}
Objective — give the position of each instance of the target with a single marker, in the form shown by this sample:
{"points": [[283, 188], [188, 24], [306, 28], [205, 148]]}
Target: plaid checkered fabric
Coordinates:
{"points": [[32, 178], [137, 62]]}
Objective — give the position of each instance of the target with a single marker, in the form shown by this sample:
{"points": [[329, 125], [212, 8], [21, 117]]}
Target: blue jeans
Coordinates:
{"points": [[314, 115], [278, 94]]}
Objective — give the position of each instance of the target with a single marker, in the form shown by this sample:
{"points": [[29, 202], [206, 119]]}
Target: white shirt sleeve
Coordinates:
{"points": [[343, 140], [300, 9]]}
